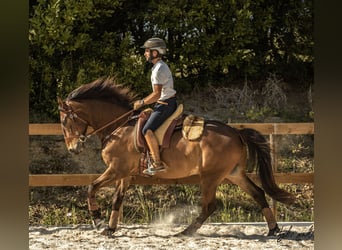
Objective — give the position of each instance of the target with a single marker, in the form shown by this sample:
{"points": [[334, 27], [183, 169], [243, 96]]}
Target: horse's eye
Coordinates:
{"points": [[64, 121]]}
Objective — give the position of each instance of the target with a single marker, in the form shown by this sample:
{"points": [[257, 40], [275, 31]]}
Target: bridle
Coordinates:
{"points": [[71, 114]]}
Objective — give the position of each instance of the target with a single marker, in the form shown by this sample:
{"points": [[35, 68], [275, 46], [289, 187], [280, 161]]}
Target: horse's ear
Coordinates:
{"points": [[60, 103]]}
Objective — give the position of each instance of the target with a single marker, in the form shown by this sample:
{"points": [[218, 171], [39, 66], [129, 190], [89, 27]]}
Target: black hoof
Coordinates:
{"points": [[274, 231], [186, 232], [181, 234], [108, 232]]}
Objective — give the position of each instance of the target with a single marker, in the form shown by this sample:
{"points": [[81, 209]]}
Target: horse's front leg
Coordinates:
{"points": [[104, 180], [121, 188], [93, 207]]}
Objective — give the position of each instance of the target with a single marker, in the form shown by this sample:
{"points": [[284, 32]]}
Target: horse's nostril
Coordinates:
{"points": [[73, 150]]}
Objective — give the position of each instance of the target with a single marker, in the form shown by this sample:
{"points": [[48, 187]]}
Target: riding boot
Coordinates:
{"points": [[157, 164]]}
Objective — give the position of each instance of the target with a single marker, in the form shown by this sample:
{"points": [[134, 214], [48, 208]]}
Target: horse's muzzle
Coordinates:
{"points": [[76, 148]]}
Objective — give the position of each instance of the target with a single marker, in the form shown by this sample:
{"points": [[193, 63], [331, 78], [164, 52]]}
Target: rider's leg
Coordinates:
{"points": [[152, 142], [160, 113]]}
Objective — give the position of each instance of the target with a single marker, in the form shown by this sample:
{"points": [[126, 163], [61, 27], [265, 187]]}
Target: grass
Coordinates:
{"points": [[169, 204]]}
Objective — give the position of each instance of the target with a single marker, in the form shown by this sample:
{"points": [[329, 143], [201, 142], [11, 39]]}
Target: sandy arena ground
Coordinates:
{"points": [[162, 236]]}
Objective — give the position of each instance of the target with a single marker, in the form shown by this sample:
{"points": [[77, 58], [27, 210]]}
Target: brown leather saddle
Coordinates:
{"points": [[163, 133]]}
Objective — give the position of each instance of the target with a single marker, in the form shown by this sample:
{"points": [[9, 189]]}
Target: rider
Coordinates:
{"points": [[163, 95]]}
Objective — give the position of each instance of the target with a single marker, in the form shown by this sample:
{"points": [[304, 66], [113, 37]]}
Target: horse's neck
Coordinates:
{"points": [[99, 114]]}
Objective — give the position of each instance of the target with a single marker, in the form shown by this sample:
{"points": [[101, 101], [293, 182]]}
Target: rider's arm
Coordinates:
{"points": [[155, 95]]}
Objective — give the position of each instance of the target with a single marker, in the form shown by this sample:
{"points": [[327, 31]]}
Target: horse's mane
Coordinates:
{"points": [[104, 89]]}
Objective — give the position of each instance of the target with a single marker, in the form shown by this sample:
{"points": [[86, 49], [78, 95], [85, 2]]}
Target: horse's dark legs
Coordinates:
{"points": [[271, 221], [118, 197], [208, 207], [105, 179], [259, 196]]}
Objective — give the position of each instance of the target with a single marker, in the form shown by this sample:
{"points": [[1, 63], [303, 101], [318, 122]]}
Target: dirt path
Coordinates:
{"points": [[161, 236]]}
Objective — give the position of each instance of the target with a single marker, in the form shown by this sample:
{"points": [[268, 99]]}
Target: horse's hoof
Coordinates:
{"points": [[98, 223], [184, 233], [108, 232], [181, 234], [274, 231]]}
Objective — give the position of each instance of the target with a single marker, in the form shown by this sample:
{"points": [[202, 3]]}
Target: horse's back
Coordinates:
{"points": [[218, 148]]}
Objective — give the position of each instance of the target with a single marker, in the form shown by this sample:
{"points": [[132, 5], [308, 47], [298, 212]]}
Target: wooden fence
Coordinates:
{"points": [[269, 129]]}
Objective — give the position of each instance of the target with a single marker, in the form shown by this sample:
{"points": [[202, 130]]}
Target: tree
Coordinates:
{"points": [[75, 42]]}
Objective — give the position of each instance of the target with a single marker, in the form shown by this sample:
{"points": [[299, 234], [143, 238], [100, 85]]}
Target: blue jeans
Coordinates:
{"points": [[160, 113]]}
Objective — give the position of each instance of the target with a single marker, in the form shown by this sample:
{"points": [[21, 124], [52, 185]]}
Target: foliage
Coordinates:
{"points": [[248, 103], [75, 42]]}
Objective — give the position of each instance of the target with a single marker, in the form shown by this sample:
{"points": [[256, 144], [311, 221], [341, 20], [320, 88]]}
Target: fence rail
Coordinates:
{"points": [[264, 128], [43, 180]]}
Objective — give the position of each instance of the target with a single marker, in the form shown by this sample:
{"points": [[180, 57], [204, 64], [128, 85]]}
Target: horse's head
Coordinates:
{"points": [[74, 127]]}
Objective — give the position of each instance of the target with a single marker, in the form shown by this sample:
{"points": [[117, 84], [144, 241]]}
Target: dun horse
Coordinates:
{"points": [[222, 152]]}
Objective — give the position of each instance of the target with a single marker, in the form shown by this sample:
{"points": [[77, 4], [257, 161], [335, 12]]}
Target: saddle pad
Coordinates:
{"points": [[192, 127], [160, 132]]}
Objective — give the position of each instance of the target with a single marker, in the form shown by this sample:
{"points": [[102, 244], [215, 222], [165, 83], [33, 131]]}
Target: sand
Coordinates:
{"points": [[162, 236]]}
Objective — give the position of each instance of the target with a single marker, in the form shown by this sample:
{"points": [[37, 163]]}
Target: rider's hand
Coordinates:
{"points": [[138, 104]]}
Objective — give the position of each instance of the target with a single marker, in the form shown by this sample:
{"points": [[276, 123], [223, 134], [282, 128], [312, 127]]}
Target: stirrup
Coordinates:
{"points": [[158, 168], [155, 167]]}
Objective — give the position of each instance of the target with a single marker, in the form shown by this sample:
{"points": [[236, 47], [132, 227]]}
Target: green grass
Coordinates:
{"points": [[170, 204]]}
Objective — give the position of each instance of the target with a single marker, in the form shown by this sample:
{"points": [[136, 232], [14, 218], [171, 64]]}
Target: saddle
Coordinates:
{"points": [[163, 133], [193, 127]]}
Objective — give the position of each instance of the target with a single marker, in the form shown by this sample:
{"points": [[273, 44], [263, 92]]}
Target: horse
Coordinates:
{"points": [[222, 152]]}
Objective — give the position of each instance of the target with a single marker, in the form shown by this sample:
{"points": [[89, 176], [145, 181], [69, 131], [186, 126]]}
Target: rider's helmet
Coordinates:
{"points": [[155, 43]]}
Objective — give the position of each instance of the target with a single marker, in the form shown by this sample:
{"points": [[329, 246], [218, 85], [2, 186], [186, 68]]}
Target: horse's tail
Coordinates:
{"points": [[260, 156]]}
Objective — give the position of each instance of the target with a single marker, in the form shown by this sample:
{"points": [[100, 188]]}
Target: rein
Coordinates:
{"points": [[110, 123]]}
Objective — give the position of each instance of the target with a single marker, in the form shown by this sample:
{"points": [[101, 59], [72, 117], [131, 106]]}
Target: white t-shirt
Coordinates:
{"points": [[161, 74]]}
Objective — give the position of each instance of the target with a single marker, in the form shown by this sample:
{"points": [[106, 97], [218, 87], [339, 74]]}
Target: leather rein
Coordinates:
{"points": [[72, 114]]}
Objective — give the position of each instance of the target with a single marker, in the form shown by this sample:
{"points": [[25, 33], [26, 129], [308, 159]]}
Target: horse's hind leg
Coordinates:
{"points": [[208, 196], [258, 195], [121, 188]]}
